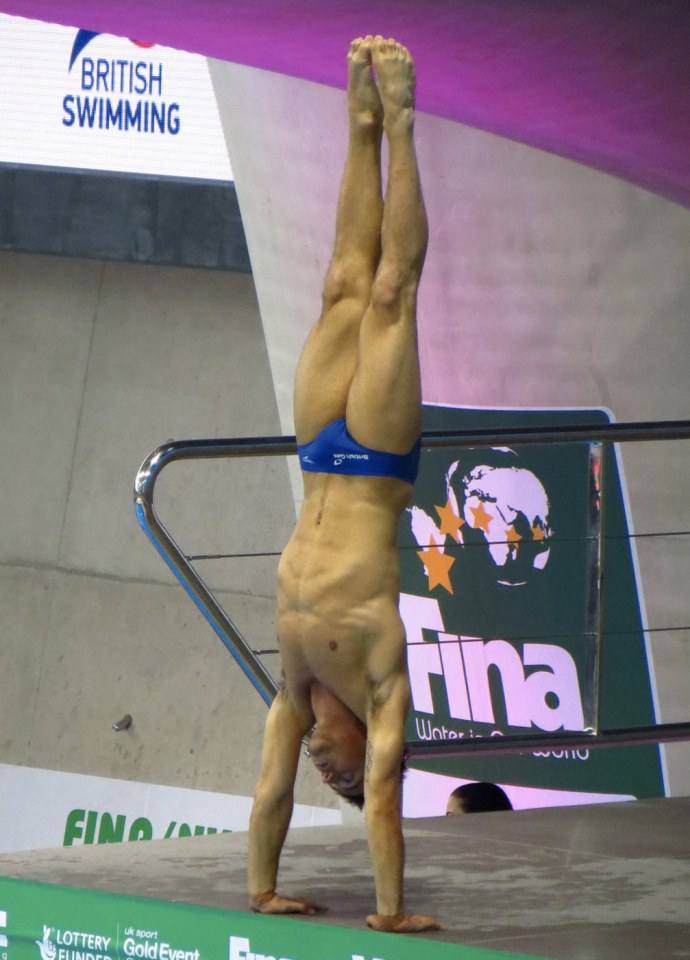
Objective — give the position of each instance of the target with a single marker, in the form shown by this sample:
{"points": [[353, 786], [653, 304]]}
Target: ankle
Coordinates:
{"points": [[399, 122], [366, 122]]}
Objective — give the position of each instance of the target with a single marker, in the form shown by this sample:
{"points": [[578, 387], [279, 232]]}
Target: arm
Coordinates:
{"points": [[272, 809], [382, 788], [385, 724]]}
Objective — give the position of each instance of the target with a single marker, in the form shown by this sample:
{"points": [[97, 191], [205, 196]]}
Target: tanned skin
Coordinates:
{"points": [[341, 638]]}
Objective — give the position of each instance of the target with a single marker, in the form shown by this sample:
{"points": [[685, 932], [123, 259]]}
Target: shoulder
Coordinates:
{"points": [[387, 661], [294, 699], [393, 690]]}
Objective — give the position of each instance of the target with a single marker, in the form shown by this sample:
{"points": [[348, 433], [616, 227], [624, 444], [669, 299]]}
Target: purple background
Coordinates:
{"points": [[605, 82]]}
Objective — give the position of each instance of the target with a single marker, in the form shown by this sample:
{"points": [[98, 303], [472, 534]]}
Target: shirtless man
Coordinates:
{"points": [[358, 418]]}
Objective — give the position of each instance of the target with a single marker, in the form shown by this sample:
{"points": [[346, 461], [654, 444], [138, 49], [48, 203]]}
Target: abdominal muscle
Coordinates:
{"points": [[338, 585]]}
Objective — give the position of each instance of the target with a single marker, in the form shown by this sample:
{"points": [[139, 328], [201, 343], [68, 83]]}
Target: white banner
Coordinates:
{"points": [[83, 100], [47, 808]]}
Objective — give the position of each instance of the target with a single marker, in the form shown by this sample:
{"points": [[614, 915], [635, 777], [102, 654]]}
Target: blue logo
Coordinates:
{"points": [[124, 94], [85, 37], [80, 41]]}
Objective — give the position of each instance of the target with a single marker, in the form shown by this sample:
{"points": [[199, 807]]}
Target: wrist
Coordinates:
{"points": [[391, 910], [386, 922], [259, 900]]}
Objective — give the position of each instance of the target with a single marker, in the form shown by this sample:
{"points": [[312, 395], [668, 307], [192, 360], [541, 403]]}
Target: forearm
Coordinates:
{"points": [[386, 846], [267, 830]]}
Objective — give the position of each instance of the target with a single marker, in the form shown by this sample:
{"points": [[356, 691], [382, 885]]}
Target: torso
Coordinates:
{"points": [[338, 586]]}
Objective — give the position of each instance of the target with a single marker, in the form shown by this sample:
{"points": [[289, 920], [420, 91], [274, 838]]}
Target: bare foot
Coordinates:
{"points": [[395, 76], [363, 98], [402, 923], [273, 903]]}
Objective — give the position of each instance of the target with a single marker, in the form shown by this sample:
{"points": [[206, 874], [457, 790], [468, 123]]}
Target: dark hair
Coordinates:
{"points": [[358, 801], [481, 797]]}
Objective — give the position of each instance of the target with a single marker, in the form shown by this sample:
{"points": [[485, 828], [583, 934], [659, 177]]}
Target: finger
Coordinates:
{"points": [[291, 906], [315, 907], [302, 906], [378, 922], [405, 924], [416, 923], [279, 905]]}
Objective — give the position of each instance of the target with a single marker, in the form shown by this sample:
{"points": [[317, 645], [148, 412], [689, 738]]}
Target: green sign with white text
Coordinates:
{"points": [[46, 922], [497, 590]]}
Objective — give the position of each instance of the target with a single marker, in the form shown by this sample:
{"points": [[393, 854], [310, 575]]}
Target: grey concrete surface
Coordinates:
{"points": [[132, 219], [25, 611], [99, 364], [176, 353], [108, 648], [45, 336], [587, 883]]}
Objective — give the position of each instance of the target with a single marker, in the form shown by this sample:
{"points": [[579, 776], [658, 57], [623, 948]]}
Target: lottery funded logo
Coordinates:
{"points": [[66, 944]]}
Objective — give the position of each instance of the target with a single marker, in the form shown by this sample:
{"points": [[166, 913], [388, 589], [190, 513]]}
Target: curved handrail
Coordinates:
{"points": [[229, 634]]}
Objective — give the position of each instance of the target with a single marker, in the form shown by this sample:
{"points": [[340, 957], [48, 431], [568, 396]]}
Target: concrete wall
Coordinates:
{"points": [[546, 284], [130, 219], [99, 364]]}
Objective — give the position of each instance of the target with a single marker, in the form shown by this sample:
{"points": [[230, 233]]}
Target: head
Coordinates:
{"points": [[338, 750], [477, 798], [341, 763]]}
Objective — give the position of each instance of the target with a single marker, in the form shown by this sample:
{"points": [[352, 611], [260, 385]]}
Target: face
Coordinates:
{"points": [[454, 806], [338, 754]]}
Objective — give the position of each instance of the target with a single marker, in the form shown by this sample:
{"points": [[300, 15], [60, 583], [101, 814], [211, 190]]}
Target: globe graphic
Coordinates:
{"points": [[505, 508]]}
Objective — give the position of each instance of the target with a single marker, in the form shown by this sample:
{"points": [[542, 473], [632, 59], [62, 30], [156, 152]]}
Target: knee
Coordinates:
{"points": [[393, 286], [347, 279]]}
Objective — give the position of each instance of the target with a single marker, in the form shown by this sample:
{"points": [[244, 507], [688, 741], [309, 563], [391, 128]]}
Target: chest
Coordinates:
{"points": [[332, 653]]}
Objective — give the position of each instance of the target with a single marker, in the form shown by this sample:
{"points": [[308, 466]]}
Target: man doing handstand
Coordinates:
{"points": [[357, 411]]}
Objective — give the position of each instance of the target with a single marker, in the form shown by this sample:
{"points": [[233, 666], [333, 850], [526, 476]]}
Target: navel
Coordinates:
{"points": [[332, 645]]}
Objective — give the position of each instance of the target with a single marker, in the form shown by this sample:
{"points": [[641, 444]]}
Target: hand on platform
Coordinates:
{"points": [[273, 903], [402, 923]]}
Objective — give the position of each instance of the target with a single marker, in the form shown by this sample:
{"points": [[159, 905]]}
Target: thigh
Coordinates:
{"points": [[384, 403], [326, 369]]}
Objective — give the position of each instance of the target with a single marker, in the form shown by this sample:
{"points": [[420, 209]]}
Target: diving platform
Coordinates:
{"points": [[596, 882]]}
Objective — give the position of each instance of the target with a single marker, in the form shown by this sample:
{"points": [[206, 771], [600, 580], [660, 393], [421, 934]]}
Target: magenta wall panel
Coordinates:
{"points": [[604, 82]]}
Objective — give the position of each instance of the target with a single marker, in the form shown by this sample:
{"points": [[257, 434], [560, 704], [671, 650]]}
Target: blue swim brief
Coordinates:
{"points": [[333, 450]]}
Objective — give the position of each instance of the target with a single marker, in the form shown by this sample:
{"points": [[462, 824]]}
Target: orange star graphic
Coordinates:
{"points": [[482, 519], [538, 532], [437, 566], [450, 521], [513, 538]]}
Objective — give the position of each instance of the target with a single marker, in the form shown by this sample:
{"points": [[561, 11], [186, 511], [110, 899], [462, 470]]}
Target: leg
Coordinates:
{"points": [[384, 404], [329, 358]]}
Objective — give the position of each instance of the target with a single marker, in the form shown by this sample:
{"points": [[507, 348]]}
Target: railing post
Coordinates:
{"points": [[593, 612]]}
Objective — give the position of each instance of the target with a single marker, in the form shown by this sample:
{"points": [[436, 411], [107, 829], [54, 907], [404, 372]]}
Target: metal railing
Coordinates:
{"points": [[259, 676]]}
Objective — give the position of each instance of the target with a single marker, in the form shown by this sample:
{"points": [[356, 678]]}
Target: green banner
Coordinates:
{"points": [[497, 592], [46, 922]]}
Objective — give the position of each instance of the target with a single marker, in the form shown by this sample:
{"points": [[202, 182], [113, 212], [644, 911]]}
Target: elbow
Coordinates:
{"points": [[270, 801]]}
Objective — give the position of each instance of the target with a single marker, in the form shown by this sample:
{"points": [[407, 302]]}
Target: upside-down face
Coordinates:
{"points": [[338, 753]]}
